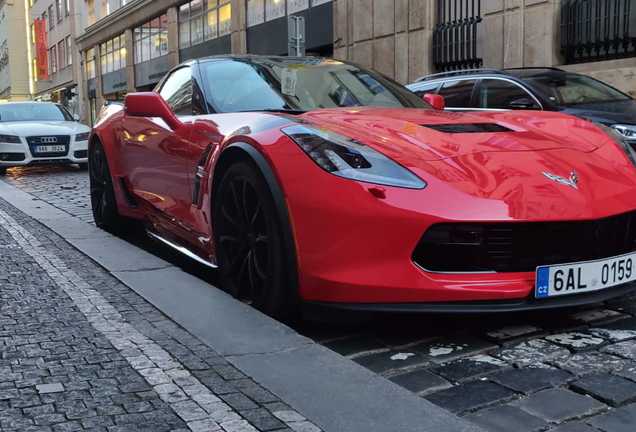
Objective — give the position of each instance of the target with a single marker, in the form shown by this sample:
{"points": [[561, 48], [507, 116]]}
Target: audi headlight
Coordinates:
{"points": [[82, 137], [350, 159], [10, 139], [627, 131], [621, 140]]}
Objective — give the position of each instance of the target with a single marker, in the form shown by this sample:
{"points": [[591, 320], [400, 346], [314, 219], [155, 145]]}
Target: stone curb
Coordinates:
{"points": [[332, 391]]}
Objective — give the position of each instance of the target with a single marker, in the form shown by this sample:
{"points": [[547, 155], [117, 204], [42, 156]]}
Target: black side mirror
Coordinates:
{"points": [[522, 103]]}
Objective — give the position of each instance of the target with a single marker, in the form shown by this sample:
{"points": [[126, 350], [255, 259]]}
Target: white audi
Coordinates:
{"points": [[40, 133]]}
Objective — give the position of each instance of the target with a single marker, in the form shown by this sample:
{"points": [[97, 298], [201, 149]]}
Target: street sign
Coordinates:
{"points": [[296, 32]]}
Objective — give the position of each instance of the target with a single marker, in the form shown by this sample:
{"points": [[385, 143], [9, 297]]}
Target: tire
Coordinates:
{"points": [[250, 249], [103, 202]]}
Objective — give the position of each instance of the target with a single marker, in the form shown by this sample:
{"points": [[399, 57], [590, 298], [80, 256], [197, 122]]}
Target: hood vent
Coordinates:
{"points": [[468, 128]]}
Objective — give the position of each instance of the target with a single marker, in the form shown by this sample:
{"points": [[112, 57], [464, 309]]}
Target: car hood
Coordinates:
{"points": [[623, 112], [43, 128], [501, 175]]}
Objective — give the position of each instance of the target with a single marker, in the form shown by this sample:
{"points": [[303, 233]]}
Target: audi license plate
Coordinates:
{"points": [[49, 149], [576, 278]]}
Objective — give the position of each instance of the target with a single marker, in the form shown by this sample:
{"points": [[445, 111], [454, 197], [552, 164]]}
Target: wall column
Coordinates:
{"points": [[173, 36], [99, 91], [130, 60], [238, 27]]}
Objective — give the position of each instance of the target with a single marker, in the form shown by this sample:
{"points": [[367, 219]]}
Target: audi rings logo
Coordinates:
{"points": [[48, 140]]}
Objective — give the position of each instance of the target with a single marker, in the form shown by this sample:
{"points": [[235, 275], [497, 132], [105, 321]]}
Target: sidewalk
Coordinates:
{"points": [[136, 344]]}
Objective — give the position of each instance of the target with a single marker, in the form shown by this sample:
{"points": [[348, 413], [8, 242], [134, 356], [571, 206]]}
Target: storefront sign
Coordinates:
{"points": [[41, 49]]}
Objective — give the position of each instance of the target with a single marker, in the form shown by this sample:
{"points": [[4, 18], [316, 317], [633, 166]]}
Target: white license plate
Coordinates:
{"points": [[49, 149], [577, 278]]}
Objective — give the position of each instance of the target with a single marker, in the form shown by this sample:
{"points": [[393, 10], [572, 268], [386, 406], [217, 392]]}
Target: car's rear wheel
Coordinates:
{"points": [[103, 201], [250, 250]]}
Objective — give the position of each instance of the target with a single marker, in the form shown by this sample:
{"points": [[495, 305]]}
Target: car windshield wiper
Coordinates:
{"points": [[276, 110]]}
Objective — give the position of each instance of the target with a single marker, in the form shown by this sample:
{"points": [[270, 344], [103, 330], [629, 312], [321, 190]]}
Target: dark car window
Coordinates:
{"points": [[255, 84], [458, 93], [177, 91], [571, 89], [423, 88], [502, 94]]}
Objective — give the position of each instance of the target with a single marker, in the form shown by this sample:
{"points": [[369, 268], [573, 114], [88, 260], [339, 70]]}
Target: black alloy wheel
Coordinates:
{"points": [[102, 193], [249, 243]]}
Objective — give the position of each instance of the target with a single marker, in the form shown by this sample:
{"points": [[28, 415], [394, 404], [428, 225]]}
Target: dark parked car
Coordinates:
{"points": [[548, 89]]}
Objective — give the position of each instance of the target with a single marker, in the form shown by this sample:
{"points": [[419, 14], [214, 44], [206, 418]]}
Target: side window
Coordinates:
{"points": [[177, 91], [501, 94], [458, 93], [421, 89]]}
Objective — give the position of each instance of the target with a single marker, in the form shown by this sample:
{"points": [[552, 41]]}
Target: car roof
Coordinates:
{"points": [[519, 73], [261, 57]]}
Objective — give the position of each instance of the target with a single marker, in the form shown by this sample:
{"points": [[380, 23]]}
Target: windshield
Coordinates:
{"points": [[566, 90], [22, 112], [255, 84]]}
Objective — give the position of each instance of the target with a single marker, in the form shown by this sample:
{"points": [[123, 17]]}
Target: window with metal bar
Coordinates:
{"points": [[593, 30], [455, 35]]}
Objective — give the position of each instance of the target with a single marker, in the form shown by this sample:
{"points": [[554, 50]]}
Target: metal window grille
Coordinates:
{"points": [[593, 30], [455, 35]]}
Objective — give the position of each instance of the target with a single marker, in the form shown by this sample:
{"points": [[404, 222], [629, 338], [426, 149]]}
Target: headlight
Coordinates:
{"points": [[347, 158], [10, 139], [628, 131], [621, 140], [82, 137]]}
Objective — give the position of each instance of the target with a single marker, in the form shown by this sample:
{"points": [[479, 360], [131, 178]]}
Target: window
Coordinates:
{"points": [[151, 39], [67, 7], [53, 60], [259, 11], [33, 33], [58, 10], [570, 89], [34, 65], [69, 51], [501, 94], [61, 52], [90, 64], [51, 19], [177, 91], [201, 20], [421, 89], [113, 54], [458, 94]]}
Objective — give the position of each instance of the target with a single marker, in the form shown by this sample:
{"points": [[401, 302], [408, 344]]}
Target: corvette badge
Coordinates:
{"points": [[572, 181]]}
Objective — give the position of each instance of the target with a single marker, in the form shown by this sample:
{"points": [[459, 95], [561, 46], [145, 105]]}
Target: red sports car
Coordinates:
{"points": [[311, 180]]}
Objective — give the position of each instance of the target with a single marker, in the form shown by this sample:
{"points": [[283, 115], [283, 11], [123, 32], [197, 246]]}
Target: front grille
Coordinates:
{"points": [[35, 141], [523, 246], [12, 157]]}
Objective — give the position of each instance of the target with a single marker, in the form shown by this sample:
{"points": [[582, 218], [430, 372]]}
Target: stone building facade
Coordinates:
{"points": [[14, 63]]}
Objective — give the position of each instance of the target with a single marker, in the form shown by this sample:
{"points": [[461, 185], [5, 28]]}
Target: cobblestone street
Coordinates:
{"points": [[82, 351]]}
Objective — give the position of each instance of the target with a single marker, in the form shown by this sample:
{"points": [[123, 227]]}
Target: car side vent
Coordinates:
{"points": [[469, 128]]}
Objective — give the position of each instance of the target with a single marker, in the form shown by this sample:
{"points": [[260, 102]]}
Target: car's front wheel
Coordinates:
{"points": [[103, 201], [249, 243]]}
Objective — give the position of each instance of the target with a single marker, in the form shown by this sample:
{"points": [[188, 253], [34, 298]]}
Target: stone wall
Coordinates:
{"points": [[392, 36]]}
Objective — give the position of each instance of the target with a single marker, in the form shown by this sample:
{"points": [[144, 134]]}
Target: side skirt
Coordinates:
{"points": [[182, 250]]}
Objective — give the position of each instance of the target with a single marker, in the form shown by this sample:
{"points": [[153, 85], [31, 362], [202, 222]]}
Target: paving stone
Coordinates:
{"points": [[623, 349], [529, 380], [610, 389], [558, 405], [597, 315], [576, 341], [620, 420], [590, 362], [469, 368], [470, 396], [575, 426], [509, 333], [421, 381], [506, 419], [446, 350], [391, 360], [304, 426], [532, 352], [50, 388]]}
